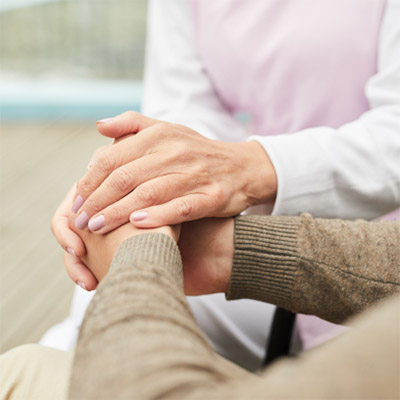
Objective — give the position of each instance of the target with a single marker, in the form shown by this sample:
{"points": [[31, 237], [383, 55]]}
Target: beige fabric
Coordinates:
{"points": [[139, 339], [325, 267], [34, 372]]}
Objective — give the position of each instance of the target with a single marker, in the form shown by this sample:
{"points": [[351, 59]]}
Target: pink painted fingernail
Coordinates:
{"points": [[139, 215], [77, 203], [105, 120], [97, 223], [70, 251], [82, 221], [81, 284]]}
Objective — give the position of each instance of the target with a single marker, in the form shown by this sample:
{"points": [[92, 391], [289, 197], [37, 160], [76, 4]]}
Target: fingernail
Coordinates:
{"points": [[91, 162], [70, 251], [82, 221], [139, 215], [105, 120], [97, 223], [81, 284], [77, 203]]}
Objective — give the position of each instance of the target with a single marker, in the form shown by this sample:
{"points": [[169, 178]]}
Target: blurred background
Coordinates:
{"points": [[64, 65]]}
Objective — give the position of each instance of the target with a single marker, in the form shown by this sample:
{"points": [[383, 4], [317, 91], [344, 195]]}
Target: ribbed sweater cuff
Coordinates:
{"points": [[156, 249], [264, 262]]}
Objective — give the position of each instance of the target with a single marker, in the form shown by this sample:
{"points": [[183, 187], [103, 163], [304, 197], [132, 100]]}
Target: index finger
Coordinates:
{"points": [[113, 157], [127, 122]]}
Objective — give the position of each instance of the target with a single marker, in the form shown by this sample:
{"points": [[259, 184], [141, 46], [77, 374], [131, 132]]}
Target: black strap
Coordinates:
{"points": [[281, 335]]}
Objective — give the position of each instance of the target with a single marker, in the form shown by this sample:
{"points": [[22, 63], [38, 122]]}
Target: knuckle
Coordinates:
{"points": [[121, 180], [218, 199], [147, 194], [185, 147], [85, 186], [56, 227], [184, 208], [131, 114], [105, 162], [219, 194], [94, 204], [116, 215], [164, 130], [100, 150], [163, 126], [113, 215]]}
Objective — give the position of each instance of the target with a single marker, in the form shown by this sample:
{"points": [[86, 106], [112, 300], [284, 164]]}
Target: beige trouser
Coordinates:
{"points": [[34, 372]]}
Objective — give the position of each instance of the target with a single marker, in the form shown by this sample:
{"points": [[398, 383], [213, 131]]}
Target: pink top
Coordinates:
{"points": [[325, 89], [251, 69]]}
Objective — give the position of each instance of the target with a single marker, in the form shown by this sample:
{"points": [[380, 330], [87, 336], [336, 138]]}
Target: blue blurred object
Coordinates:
{"points": [[26, 99], [7, 5]]}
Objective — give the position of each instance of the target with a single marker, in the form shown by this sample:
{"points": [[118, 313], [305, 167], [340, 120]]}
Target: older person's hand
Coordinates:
{"points": [[101, 248], [165, 174], [206, 247]]}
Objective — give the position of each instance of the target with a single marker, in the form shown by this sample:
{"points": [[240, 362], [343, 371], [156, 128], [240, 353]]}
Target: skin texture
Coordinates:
{"points": [[101, 248], [206, 247], [214, 182], [169, 174], [207, 250], [72, 244]]}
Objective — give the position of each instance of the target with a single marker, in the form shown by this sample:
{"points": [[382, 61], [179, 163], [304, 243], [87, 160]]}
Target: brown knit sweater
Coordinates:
{"points": [[139, 339]]}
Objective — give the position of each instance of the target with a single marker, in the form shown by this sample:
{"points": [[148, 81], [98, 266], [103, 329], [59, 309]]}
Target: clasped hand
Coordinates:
{"points": [[163, 174], [157, 174], [206, 247]]}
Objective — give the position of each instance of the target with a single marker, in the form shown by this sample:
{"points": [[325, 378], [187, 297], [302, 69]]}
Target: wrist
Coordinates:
{"points": [[224, 245], [207, 252], [260, 182]]}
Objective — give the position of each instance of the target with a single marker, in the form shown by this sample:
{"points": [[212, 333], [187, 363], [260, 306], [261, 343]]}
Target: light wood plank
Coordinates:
{"points": [[39, 162]]}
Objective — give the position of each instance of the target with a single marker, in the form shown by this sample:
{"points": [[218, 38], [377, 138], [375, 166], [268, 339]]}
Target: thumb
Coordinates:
{"points": [[123, 124]]}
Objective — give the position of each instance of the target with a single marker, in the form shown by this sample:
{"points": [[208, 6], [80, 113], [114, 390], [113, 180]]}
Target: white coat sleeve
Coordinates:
{"points": [[176, 86], [352, 171]]}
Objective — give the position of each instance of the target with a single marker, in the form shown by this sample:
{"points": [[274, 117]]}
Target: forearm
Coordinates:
{"points": [[139, 338], [329, 268]]}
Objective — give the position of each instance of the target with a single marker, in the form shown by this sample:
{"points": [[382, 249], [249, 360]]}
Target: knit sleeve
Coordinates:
{"points": [[329, 268], [139, 339]]}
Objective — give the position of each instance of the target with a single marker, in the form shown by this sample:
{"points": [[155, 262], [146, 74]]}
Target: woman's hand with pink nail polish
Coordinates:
{"points": [[68, 239], [71, 243], [79, 273], [163, 174]]}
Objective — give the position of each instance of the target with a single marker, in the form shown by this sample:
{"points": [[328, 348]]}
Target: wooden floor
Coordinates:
{"points": [[39, 162]]}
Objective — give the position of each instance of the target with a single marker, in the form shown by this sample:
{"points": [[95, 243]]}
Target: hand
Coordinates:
{"points": [[72, 244], [166, 174], [101, 248], [207, 248]]}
